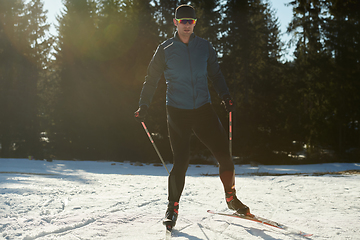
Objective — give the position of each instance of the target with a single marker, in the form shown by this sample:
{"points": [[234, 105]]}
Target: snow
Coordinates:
{"points": [[108, 200]]}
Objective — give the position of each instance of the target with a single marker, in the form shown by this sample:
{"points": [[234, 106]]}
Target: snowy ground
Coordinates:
{"points": [[104, 200]]}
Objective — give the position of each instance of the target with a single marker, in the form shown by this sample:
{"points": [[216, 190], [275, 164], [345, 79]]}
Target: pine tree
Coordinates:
{"points": [[251, 52], [24, 49], [36, 63], [342, 34], [76, 118], [165, 13], [9, 11], [209, 20], [102, 61], [311, 73]]}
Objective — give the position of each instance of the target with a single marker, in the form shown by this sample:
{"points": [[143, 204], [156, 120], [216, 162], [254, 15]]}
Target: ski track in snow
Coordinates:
{"points": [[102, 200]]}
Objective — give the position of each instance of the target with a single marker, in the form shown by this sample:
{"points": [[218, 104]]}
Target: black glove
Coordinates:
{"points": [[228, 103], [141, 113]]}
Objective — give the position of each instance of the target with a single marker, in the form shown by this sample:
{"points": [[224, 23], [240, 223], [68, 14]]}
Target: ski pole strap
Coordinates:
{"points": [[153, 143]]}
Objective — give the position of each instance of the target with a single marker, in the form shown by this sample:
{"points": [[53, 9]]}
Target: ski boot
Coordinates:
{"points": [[235, 204], [171, 215]]}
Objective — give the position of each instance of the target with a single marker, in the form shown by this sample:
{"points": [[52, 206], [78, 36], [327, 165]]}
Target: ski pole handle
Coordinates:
{"points": [[153, 143]]}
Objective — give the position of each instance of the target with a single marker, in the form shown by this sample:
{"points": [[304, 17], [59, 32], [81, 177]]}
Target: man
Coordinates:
{"points": [[187, 61]]}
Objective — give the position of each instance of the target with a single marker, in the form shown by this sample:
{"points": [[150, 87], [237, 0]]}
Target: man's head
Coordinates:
{"points": [[185, 20]]}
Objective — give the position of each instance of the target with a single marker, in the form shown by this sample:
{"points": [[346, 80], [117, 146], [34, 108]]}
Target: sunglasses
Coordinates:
{"points": [[186, 20]]}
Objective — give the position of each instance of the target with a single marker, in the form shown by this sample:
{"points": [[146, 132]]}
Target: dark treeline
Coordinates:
{"points": [[77, 101]]}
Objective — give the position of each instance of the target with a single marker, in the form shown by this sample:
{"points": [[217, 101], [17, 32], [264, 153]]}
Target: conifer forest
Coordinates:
{"points": [[73, 95]]}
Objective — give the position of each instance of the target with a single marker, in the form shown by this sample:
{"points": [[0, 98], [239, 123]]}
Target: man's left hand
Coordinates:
{"points": [[228, 103]]}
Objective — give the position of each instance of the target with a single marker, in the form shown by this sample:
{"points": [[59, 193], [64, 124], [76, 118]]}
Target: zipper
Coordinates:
{"points": [[191, 75]]}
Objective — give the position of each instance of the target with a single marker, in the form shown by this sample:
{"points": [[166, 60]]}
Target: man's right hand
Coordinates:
{"points": [[141, 113]]}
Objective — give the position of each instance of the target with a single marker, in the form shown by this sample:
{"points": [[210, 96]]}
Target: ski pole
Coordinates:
{"points": [[230, 133], [153, 143]]}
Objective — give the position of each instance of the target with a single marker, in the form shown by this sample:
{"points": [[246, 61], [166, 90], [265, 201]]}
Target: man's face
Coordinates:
{"points": [[185, 28]]}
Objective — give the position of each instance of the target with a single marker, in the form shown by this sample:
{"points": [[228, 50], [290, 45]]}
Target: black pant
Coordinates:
{"points": [[207, 127]]}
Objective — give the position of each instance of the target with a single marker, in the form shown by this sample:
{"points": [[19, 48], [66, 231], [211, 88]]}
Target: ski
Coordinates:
{"points": [[263, 221], [169, 227], [168, 232]]}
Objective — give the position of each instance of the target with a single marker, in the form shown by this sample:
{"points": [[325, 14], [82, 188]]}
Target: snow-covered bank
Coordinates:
{"points": [[74, 167], [104, 200]]}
